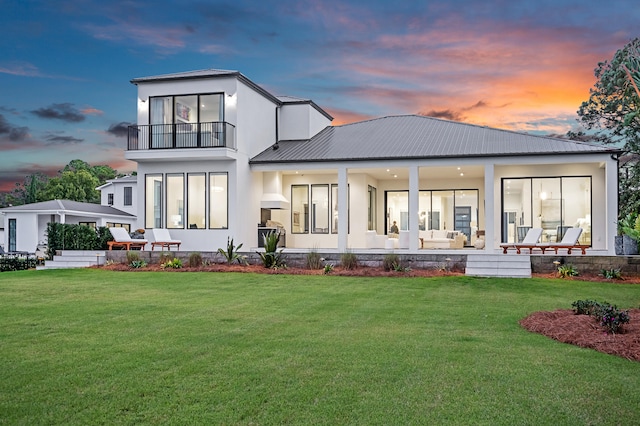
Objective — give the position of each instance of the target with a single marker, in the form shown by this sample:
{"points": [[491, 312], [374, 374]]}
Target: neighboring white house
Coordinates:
{"points": [[219, 156], [26, 225], [120, 193]]}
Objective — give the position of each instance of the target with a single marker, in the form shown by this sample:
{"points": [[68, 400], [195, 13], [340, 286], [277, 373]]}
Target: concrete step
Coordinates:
{"points": [[75, 259], [93, 253], [494, 265]]}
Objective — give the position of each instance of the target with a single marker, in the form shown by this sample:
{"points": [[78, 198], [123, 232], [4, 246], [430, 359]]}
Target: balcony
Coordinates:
{"points": [[182, 136]]}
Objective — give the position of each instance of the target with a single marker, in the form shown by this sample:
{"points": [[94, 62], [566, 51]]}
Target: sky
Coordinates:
{"points": [[66, 66]]}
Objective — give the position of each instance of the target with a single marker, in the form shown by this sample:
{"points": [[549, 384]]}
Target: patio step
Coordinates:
{"points": [[75, 259], [499, 265]]}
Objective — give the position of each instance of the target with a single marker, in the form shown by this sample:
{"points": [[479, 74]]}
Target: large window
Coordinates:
{"points": [[197, 202], [175, 201], [553, 204], [153, 201], [372, 202], [180, 208], [453, 209], [300, 209], [218, 201], [321, 215], [320, 209]]}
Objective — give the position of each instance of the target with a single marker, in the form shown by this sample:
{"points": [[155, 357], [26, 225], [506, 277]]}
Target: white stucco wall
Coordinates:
{"points": [[300, 121]]}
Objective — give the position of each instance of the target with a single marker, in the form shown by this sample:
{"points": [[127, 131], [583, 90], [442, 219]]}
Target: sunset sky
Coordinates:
{"points": [[65, 66]]}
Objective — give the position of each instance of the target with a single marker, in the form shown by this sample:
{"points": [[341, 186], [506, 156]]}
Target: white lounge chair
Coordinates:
{"points": [[163, 239], [569, 241], [530, 241], [123, 239]]}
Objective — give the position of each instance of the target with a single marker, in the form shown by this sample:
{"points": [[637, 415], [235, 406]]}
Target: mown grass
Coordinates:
{"points": [[99, 347]]}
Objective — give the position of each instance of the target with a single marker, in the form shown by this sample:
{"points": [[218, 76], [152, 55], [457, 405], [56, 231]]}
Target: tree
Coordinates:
{"points": [[29, 191], [613, 110], [73, 185]]}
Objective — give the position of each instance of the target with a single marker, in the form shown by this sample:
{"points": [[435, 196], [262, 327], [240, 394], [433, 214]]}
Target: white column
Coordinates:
{"points": [[491, 238], [414, 210], [62, 217], [343, 209], [611, 215]]}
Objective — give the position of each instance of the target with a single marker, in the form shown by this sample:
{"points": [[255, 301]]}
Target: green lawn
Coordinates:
{"points": [[98, 347]]}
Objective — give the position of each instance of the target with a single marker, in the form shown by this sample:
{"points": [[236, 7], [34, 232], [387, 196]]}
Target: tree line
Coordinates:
{"points": [[77, 181]]}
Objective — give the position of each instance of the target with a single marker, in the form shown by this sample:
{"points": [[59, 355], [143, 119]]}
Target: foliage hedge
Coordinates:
{"points": [[64, 236]]}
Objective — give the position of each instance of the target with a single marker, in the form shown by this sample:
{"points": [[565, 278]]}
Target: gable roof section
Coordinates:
{"points": [[414, 136], [214, 73], [68, 206]]}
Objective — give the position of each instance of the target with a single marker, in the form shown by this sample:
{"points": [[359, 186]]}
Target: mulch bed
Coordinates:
{"points": [[584, 331], [561, 325]]}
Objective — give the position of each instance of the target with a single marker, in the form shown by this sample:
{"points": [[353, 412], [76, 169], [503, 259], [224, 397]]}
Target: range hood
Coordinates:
{"points": [[272, 197], [274, 201]]}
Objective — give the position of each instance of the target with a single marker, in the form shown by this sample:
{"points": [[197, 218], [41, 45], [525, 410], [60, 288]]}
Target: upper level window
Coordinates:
{"points": [[128, 196], [110, 199], [186, 110]]}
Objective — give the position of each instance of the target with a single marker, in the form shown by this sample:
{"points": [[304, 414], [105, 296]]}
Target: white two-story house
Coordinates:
{"points": [[219, 156]]}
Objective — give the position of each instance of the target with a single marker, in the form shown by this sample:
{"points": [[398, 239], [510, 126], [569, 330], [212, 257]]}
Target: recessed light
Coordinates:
{"points": [[387, 170], [461, 174], [458, 168], [395, 176]]}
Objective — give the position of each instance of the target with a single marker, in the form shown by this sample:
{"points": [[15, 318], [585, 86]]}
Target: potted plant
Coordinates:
{"points": [[629, 226]]}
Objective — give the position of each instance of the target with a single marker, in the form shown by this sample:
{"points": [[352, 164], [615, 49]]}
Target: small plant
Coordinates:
{"points": [[348, 260], [174, 263], [565, 271], [231, 253], [612, 319], [611, 274], [327, 268], [137, 264], [313, 260], [609, 316], [132, 256], [272, 258], [109, 262], [390, 262], [195, 260], [585, 307]]}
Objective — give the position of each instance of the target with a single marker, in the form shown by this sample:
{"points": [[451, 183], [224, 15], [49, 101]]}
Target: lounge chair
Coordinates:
{"points": [[569, 241], [530, 241], [163, 239], [123, 239]]}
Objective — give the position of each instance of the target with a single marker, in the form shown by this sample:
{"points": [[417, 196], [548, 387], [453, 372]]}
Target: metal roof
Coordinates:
{"points": [[68, 206], [415, 136]]}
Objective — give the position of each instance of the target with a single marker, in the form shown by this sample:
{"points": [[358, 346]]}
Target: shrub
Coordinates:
{"points": [[313, 260], [349, 260], [585, 307], [565, 271], [611, 274], [328, 268], [390, 262], [195, 260], [174, 263], [231, 254], [612, 319], [165, 257], [63, 236], [132, 256], [609, 316]]}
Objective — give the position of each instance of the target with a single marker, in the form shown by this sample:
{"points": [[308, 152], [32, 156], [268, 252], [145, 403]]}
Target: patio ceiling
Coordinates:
{"points": [[382, 173]]}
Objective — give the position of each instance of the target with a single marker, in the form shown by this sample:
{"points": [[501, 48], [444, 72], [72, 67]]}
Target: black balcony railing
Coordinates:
{"points": [[215, 134]]}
